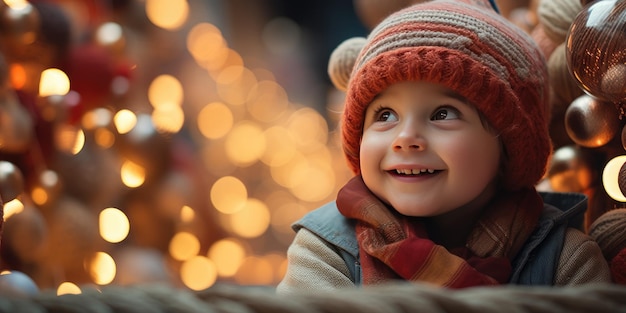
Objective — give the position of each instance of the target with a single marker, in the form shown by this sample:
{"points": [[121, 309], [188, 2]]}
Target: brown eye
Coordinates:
{"points": [[445, 114], [386, 116]]}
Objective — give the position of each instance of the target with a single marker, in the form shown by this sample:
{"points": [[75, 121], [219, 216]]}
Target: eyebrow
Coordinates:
{"points": [[454, 95]]}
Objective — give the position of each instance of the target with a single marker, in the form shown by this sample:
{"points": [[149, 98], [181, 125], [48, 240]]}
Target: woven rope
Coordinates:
{"points": [[389, 299]]}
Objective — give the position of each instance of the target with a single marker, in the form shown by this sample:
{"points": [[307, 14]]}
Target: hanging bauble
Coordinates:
{"points": [[19, 25], [24, 236], [596, 45], [556, 16], [590, 122], [16, 124], [562, 84], [569, 170], [11, 181]]}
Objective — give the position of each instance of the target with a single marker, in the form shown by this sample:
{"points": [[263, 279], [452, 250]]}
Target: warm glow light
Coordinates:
{"points": [[228, 254], [187, 214], [228, 195], [309, 129], [53, 82], [206, 44], [133, 175], [610, 178], [291, 173], [125, 121], [183, 246], [18, 76], [102, 268], [255, 271], [245, 144], [104, 138], [198, 273], [69, 138], [39, 195], [230, 75], [167, 14], [268, 101], [215, 120], [165, 90], [109, 33], [315, 182], [96, 118], [287, 213], [114, 225], [12, 207], [17, 4], [234, 83], [280, 146], [68, 288], [252, 220], [169, 119]]}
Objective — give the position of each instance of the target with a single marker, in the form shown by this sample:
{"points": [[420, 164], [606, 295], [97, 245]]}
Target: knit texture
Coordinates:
{"points": [[473, 51], [393, 246]]}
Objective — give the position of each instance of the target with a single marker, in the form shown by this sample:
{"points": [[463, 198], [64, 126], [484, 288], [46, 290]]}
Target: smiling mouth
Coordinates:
{"points": [[415, 172]]}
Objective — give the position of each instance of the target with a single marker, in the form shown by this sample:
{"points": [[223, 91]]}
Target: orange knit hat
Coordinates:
{"points": [[468, 48]]}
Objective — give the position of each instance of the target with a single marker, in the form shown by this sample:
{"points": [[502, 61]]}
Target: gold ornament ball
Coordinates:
{"points": [[569, 170], [590, 122]]}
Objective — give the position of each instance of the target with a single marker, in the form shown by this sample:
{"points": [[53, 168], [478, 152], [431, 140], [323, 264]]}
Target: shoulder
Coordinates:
{"points": [[581, 261], [328, 223], [536, 262], [564, 208]]}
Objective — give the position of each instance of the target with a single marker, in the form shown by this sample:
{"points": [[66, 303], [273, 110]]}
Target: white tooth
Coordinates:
{"points": [[414, 172], [431, 171], [423, 170]]}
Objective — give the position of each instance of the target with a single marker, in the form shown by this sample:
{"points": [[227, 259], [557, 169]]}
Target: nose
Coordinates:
{"points": [[409, 138]]}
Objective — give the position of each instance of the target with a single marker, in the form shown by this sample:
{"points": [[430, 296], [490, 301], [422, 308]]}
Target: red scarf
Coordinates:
{"points": [[394, 246]]}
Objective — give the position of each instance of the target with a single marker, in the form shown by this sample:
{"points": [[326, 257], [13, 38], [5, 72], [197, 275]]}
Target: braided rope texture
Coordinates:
{"points": [[403, 297]]}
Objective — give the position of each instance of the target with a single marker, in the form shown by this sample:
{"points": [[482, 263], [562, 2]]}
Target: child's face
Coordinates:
{"points": [[426, 152]]}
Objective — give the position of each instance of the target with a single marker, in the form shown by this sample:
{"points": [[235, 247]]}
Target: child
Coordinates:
{"points": [[445, 125]]}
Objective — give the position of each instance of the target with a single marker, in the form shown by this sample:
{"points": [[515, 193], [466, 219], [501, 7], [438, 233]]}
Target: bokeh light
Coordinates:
{"points": [[102, 268], [228, 254], [198, 273], [252, 220], [167, 14], [66, 288], [245, 144], [184, 246], [114, 225], [229, 194], [54, 82], [215, 120]]}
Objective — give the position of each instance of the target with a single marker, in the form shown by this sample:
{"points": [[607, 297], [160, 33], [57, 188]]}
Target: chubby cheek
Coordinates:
{"points": [[372, 151], [476, 159]]}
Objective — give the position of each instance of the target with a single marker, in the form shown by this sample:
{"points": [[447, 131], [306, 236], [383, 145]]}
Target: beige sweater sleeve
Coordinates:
{"points": [[581, 261], [313, 265]]}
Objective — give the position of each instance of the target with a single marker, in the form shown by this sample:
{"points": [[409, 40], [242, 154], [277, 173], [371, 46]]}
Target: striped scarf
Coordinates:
{"points": [[393, 246]]}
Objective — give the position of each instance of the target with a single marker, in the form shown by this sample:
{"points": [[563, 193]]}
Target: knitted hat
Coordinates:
{"points": [[471, 50]]}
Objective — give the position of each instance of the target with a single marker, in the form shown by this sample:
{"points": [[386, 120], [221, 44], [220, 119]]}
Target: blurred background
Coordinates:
{"points": [[176, 141]]}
